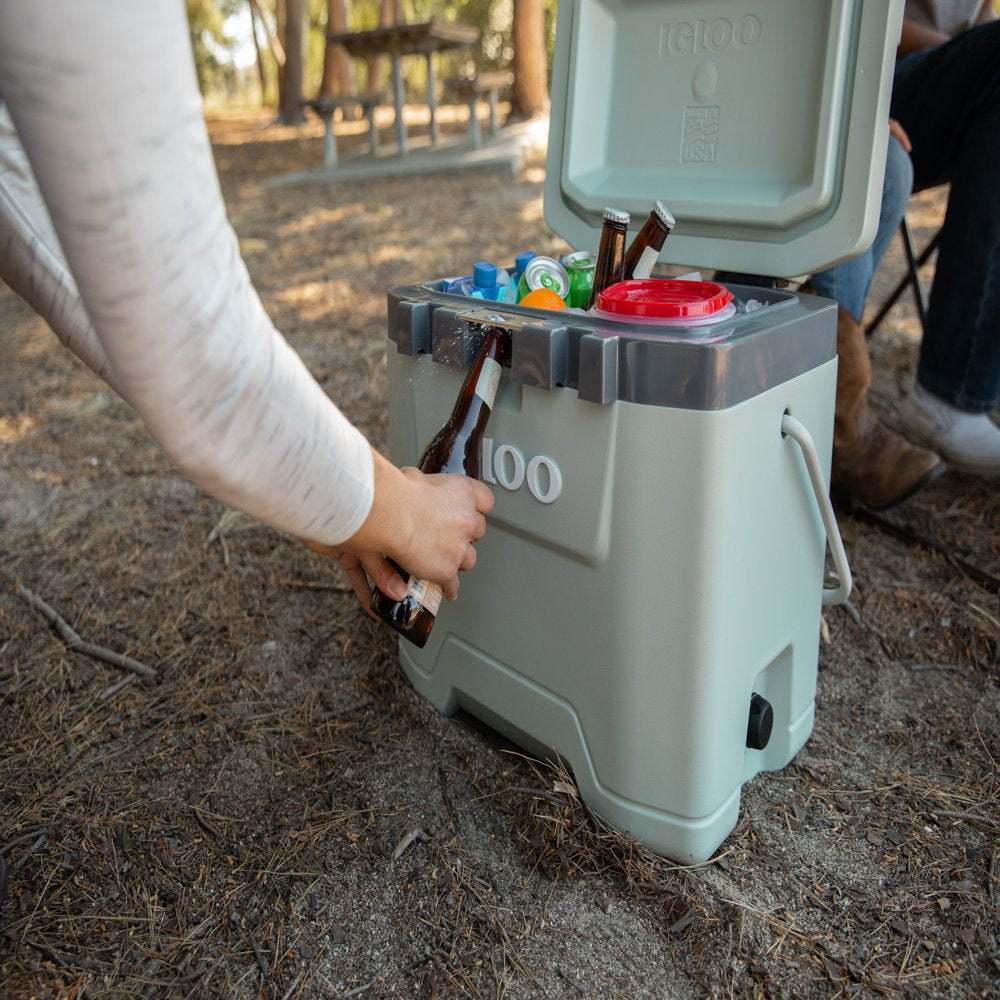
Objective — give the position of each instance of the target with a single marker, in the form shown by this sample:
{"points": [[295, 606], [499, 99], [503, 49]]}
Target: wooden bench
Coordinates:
{"points": [[472, 89], [325, 107]]}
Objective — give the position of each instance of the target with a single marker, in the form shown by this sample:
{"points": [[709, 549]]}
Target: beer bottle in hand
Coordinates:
{"points": [[644, 250], [610, 264], [455, 448]]}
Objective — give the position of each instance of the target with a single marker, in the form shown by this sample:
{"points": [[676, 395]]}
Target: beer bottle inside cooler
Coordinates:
{"points": [[455, 448], [644, 250], [609, 267]]}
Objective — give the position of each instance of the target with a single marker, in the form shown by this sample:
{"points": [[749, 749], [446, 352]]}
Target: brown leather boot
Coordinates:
{"points": [[871, 465]]}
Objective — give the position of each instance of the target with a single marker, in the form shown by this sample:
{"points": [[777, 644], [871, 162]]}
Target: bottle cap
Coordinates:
{"points": [[664, 215], [664, 299], [484, 273], [521, 260], [615, 215]]}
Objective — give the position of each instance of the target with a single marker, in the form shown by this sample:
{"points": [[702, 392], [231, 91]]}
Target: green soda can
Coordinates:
{"points": [[580, 268], [543, 272]]}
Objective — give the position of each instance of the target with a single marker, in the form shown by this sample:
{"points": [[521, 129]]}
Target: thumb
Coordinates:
{"points": [[384, 576]]}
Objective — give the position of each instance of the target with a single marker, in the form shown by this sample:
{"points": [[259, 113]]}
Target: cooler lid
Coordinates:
{"points": [[761, 126]]}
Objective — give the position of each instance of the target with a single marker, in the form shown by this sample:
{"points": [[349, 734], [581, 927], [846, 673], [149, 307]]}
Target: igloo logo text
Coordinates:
{"points": [[506, 466], [688, 38]]}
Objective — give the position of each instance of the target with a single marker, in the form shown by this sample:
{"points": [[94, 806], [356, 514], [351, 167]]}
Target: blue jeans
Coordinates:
{"points": [[948, 100], [849, 281]]}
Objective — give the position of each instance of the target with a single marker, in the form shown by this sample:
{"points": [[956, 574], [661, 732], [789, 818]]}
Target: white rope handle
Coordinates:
{"points": [[796, 430]]}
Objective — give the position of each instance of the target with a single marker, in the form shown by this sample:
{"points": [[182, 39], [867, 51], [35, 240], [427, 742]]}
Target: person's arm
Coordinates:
{"points": [[985, 14], [916, 36], [105, 101], [31, 259]]}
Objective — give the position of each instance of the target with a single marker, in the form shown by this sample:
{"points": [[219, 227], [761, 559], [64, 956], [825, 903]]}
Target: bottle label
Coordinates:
{"points": [[644, 266], [427, 595], [489, 381]]}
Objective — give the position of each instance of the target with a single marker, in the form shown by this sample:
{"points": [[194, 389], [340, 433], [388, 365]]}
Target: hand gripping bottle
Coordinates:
{"points": [[609, 268], [455, 448], [644, 251]]}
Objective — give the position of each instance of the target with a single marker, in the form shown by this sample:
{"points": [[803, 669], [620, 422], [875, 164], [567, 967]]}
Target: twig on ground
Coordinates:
{"points": [[539, 792], [992, 882], [261, 960], [23, 859], [316, 585], [229, 520], [986, 615], [443, 778], [971, 817], [360, 989], [904, 533], [115, 688], [23, 839], [415, 833], [78, 645], [61, 959], [291, 989]]}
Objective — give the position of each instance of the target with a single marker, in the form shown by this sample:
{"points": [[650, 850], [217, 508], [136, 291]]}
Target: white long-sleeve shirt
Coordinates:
{"points": [[139, 271]]}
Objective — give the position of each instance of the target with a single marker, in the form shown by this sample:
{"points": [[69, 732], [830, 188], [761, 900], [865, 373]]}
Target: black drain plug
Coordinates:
{"points": [[760, 722]]}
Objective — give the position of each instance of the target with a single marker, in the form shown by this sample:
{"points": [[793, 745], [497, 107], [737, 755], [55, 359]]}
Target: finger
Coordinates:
{"points": [[469, 559], [450, 589], [484, 497], [385, 577], [900, 133], [359, 584], [480, 529]]}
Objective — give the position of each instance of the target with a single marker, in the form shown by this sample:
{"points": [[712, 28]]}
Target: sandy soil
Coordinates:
{"points": [[229, 829]]}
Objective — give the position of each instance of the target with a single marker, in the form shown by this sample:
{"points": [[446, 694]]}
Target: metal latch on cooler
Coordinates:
{"points": [[490, 317]]}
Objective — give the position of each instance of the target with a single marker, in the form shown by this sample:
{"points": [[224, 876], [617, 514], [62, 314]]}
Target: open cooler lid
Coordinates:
{"points": [[762, 126]]}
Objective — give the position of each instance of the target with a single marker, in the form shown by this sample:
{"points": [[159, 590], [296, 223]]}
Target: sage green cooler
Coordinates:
{"points": [[647, 599]]}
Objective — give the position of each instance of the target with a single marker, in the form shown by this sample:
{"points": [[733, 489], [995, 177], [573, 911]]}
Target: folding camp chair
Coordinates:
{"points": [[910, 280]]}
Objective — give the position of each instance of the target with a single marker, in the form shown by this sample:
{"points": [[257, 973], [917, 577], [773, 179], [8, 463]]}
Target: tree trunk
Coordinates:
{"points": [[530, 94], [274, 43], [388, 13], [290, 109], [338, 80], [257, 50]]}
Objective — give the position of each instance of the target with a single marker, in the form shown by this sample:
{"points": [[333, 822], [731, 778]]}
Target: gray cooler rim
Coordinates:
{"points": [[606, 361]]}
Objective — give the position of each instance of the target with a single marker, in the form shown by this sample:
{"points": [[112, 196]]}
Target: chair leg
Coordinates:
{"points": [[911, 280], [494, 117], [912, 269], [474, 128], [329, 141], [372, 130]]}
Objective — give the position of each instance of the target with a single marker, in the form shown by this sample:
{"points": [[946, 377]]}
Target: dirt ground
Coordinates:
{"points": [[230, 828]]}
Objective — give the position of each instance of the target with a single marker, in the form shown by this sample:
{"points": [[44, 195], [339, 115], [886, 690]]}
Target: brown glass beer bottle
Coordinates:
{"points": [[457, 447], [610, 263], [644, 251]]}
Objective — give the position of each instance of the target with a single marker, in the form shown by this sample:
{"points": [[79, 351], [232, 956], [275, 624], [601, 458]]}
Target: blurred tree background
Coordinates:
{"points": [[242, 47]]}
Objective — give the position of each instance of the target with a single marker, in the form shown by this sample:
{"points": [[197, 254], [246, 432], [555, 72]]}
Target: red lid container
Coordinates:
{"points": [[655, 300]]}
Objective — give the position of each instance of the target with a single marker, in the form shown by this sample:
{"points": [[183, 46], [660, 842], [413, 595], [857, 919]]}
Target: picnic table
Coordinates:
{"points": [[398, 40]]}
